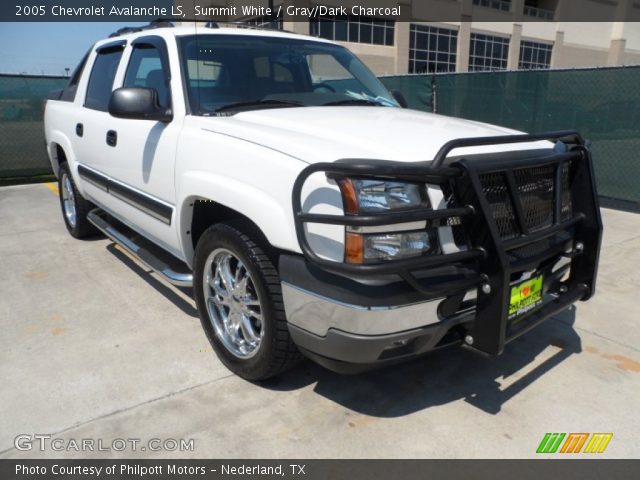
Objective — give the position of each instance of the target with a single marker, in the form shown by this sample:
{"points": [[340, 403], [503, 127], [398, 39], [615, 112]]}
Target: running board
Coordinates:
{"points": [[141, 249]]}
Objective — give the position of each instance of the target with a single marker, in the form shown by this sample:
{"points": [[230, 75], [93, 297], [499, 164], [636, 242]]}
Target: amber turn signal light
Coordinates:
{"points": [[354, 248], [349, 197]]}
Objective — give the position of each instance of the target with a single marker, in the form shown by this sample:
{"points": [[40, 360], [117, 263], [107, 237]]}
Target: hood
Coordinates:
{"points": [[324, 134]]}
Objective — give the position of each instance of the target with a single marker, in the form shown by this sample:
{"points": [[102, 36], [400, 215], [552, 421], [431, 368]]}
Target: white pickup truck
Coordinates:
{"points": [[311, 213]]}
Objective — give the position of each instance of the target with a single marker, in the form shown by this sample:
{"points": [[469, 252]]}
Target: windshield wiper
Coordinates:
{"points": [[353, 101], [258, 103]]}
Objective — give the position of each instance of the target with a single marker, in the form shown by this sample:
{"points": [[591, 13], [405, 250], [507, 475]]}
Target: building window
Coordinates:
{"points": [[504, 5], [534, 55], [432, 49], [488, 52], [351, 28]]}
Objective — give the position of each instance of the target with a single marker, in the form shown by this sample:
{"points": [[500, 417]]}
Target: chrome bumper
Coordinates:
{"points": [[317, 314], [351, 339]]}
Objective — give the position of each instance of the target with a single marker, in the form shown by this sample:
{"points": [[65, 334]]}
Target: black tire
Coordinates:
{"points": [[276, 352], [82, 227]]}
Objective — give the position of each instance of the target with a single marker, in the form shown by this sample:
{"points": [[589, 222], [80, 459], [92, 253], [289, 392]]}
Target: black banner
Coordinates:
{"points": [[319, 469], [305, 10]]}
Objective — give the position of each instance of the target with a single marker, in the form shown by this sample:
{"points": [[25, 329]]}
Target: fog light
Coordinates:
{"points": [[378, 247]]}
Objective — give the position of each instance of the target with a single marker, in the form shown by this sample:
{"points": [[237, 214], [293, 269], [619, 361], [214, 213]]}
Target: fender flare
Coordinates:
{"points": [[272, 218], [57, 137]]}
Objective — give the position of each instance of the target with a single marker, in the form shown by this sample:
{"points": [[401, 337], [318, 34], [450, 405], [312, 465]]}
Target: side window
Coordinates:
{"points": [[145, 69], [69, 92], [101, 79]]}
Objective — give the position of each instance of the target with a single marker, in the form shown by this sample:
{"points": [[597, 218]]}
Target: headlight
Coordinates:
{"points": [[364, 196]]}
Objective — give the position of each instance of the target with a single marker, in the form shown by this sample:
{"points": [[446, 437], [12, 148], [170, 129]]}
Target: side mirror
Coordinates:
{"points": [[138, 103], [397, 94]]}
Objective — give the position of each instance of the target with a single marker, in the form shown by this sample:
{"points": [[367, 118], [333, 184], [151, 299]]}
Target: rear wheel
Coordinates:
{"points": [[239, 298], [74, 207]]}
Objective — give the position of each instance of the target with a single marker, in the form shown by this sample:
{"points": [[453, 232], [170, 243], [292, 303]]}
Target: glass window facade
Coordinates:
{"points": [[488, 52], [432, 49], [356, 29], [534, 55]]}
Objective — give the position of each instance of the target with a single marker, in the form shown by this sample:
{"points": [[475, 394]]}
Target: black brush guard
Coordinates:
{"points": [[487, 262]]}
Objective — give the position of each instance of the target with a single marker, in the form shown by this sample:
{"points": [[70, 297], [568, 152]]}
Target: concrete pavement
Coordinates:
{"points": [[93, 346]]}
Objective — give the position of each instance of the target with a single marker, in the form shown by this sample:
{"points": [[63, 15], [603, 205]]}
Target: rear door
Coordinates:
{"points": [[90, 126]]}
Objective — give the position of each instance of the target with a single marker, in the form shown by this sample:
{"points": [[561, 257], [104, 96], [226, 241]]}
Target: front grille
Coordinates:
{"points": [[539, 247], [494, 186], [535, 190]]}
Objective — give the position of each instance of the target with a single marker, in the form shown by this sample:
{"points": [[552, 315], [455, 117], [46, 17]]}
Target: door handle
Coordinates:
{"points": [[79, 129], [112, 138]]}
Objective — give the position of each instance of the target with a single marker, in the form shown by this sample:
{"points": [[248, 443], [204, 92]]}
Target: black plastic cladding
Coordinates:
{"points": [[570, 213]]}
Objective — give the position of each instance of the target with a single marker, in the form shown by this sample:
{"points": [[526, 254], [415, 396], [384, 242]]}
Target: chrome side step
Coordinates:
{"points": [[142, 252]]}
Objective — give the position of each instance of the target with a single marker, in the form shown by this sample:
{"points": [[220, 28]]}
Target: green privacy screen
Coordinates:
{"points": [[603, 104], [417, 89], [22, 152]]}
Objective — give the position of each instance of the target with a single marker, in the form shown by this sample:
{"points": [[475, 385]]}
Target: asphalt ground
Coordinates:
{"points": [[96, 347]]}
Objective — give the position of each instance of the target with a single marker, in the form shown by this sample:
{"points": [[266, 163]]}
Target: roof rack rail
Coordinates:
{"points": [[162, 23], [124, 31], [248, 26], [159, 23]]}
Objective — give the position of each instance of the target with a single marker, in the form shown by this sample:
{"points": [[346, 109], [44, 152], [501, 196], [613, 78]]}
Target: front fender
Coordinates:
{"points": [[272, 216]]}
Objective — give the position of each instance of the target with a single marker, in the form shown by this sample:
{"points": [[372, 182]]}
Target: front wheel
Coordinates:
{"points": [[239, 298]]}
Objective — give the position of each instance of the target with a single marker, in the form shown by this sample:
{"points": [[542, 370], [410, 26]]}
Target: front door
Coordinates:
{"points": [[138, 156]]}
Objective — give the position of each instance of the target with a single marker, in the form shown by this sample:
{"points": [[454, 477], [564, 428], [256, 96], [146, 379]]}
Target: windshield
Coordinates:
{"points": [[231, 73]]}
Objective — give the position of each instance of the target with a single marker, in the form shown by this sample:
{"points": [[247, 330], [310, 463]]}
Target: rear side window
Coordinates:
{"points": [[145, 69], [101, 79], [69, 92]]}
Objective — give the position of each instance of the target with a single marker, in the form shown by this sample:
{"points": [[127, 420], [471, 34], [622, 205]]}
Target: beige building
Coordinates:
{"points": [[513, 39]]}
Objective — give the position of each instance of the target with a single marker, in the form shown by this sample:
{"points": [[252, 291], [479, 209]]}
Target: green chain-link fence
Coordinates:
{"points": [[603, 104], [417, 89], [22, 152]]}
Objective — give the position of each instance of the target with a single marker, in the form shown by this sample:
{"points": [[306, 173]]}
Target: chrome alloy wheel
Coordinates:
{"points": [[233, 303], [68, 200]]}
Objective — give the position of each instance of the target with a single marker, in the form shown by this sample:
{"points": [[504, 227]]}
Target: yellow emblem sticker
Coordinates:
{"points": [[525, 296]]}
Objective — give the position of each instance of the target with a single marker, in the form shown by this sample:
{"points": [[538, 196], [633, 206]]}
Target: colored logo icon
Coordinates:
{"points": [[574, 442]]}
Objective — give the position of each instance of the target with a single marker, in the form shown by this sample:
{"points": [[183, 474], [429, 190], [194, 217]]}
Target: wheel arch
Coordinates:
{"points": [[60, 150], [207, 212], [227, 201]]}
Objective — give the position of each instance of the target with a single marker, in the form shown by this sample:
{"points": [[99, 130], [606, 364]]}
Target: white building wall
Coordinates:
{"points": [[587, 34]]}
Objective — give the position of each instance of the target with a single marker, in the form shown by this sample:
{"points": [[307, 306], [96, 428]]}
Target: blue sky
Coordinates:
{"points": [[49, 48]]}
